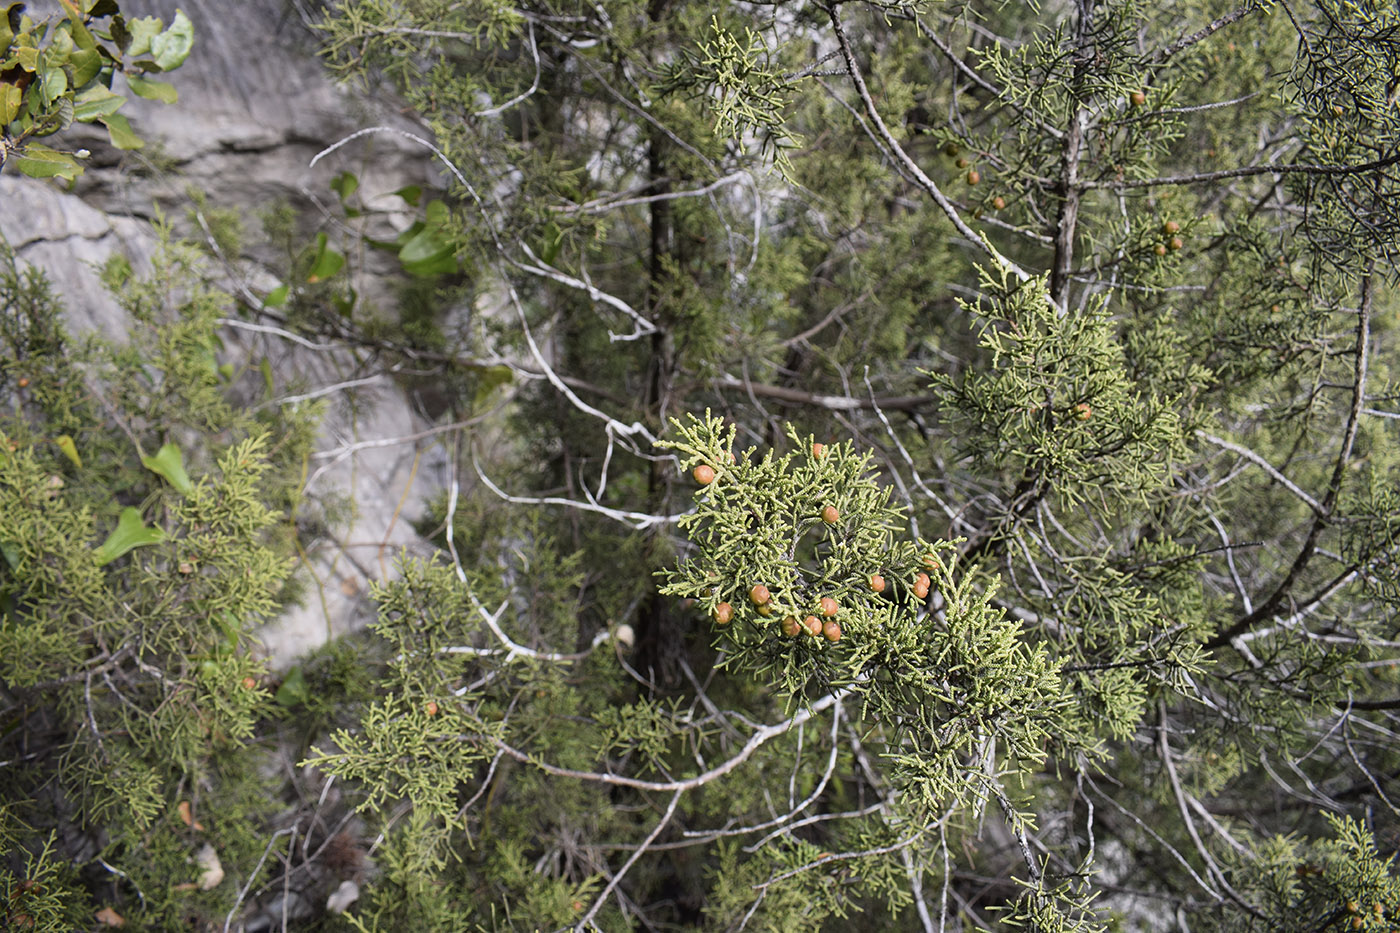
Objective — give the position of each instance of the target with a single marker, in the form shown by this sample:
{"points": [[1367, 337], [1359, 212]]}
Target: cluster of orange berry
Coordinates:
{"points": [[822, 622], [1173, 242], [762, 599], [1357, 920]]}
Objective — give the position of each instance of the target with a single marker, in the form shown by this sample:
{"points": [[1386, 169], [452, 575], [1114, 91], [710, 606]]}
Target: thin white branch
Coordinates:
{"points": [[638, 520], [442, 156], [598, 904], [599, 205], [792, 813], [755, 741], [1265, 465], [534, 85], [634, 429], [325, 390], [903, 159], [276, 332], [644, 327]]}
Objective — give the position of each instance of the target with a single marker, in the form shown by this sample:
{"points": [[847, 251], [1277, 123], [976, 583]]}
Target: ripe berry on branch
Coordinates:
{"points": [[812, 625], [724, 614], [830, 515], [829, 606], [759, 594], [791, 626], [877, 583], [832, 630], [704, 474]]}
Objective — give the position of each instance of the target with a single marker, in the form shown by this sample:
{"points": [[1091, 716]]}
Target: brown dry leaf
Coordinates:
{"points": [[110, 917], [186, 817]]}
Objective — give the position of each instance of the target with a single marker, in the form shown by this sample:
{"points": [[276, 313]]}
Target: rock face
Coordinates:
{"points": [[255, 107]]}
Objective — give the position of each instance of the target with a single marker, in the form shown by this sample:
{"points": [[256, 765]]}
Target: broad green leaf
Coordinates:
{"points": [[79, 33], [141, 31], [86, 64], [411, 193], [38, 161], [120, 132], [345, 184], [438, 214], [170, 463], [10, 553], [426, 245], [103, 8], [445, 264], [96, 102], [61, 45], [277, 297], [81, 37], [11, 98], [152, 90], [130, 532], [28, 58], [172, 47], [121, 35], [426, 249], [265, 368], [293, 690], [60, 117], [228, 624], [70, 450], [53, 84], [327, 262]]}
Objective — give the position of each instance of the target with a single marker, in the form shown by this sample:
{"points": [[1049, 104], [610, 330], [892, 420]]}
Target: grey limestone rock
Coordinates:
{"points": [[255, 107]]}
